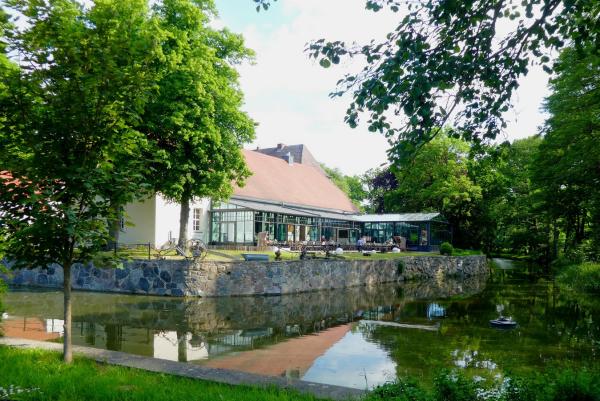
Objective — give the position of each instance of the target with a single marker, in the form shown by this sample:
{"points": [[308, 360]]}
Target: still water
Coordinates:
{"points": [[358, 337]]}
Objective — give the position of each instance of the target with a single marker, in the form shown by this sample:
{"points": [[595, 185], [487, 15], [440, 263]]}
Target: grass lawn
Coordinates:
{"points": [[228, 255], [88, 380], [295, 255]]}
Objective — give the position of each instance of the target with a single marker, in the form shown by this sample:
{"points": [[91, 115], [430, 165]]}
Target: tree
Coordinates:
{"points": [[194, 123], [448, 63], [378, 182], [70, 104], [437, 179], [509, 217], [351, 185], [567, 168]]}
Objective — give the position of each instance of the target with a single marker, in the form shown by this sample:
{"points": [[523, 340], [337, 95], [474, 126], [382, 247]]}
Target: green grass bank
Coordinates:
{"points": [[583, 277], [41, 375]]}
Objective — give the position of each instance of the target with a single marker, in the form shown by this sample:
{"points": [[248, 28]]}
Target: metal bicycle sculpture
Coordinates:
{"points": [[197, 247]]}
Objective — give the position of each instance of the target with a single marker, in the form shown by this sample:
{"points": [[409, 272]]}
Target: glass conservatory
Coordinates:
{"points": [[241, 221]]}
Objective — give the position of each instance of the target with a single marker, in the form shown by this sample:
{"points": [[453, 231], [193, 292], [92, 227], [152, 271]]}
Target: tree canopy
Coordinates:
{"points": [[437, 179], [103, 104], [567, 167], [194, 123], [352, 185], [72, 94], [448, 63]]}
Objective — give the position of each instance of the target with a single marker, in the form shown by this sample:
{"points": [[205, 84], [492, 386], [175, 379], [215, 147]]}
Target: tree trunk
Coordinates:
{"points": [[67, 344], [114, 229], [184, 216], [555, 238], [181, 346]]}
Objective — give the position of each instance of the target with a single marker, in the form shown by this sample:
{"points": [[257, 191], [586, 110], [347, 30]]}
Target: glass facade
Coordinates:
{"points": [[419, 235], [231, 224]]}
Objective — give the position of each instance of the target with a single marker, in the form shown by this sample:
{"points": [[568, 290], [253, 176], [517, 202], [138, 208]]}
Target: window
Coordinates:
{"points": [[196, 220]]}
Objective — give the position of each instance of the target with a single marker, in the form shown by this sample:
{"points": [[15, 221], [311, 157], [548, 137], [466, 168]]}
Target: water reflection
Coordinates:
{"points": [[357, 337]]}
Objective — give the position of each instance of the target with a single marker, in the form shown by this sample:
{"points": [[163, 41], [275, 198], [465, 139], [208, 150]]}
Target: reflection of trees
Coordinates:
{"points": [[555, 328]]}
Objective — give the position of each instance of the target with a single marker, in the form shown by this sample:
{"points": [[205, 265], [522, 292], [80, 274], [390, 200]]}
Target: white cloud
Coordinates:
{"points": [[287, 93]]}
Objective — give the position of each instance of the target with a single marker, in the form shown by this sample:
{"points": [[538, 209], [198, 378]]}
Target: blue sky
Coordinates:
{"points": [[287, 94]]}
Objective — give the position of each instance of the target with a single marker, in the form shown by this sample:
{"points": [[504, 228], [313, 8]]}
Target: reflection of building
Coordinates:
{"points": [[290, 199], [32, 328], [183, 348], [291, 358], [434, 310]]}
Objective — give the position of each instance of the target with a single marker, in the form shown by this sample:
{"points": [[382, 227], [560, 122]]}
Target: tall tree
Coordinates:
{"points": [[509, 217], [437, 179], [351, 185], [195, 123], [379, 182], [567, 169], [449, 63], [70, 102]]}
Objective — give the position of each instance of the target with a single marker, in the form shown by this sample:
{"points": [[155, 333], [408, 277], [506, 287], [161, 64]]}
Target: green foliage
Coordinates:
{"points": [[446, 248], [583, 277], [69, 114], [379, 182], [554, 385], [194, 123], [437, 179], [566, 168], [447, 62], [576, 386], [510, 216], [454, 387], [400, 390], [400, 266], [88, 380], [351, 185]]}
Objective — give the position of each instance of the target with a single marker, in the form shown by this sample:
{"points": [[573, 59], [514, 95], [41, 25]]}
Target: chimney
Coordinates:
{"points": [[289, 158], [280, 146]]}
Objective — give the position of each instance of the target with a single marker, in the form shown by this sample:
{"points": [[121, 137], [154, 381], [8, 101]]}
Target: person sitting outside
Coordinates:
{"points": [[360, 244]]}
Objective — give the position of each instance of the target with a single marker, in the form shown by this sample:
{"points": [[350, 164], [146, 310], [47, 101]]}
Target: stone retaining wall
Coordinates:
{"points": [[187, 278]]}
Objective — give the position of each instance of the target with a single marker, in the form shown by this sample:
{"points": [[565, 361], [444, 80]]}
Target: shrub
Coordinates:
{"points": [[401, 390], [400, 267], [446, 249], [576, 386], [454, 387], [583, 277]]}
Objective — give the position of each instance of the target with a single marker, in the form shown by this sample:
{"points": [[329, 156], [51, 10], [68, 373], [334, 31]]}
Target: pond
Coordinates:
{"points": [[358, 337]]}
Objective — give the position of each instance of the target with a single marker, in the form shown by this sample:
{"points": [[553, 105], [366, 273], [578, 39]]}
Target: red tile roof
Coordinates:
{"points": [[301, 184]]}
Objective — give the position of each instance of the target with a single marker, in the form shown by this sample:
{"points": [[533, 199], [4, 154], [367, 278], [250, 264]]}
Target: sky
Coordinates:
{"points": [[287, 93]]}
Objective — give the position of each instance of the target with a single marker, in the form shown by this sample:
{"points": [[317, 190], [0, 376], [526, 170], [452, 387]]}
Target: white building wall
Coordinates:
{"points": [[204, 231], [141, 222], [167, 220], [156, 220]]}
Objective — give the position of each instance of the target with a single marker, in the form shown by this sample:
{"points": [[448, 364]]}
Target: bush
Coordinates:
{"points": [[400, 267], [454, 387], [552, 385], [446, 249], [576, 386], [401, 390], [582, 277]]}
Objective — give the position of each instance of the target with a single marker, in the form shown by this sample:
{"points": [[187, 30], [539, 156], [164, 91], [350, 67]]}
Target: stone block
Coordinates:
{"points": [[42, 279], [143, 284], [120, 274], [165, 276]]}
